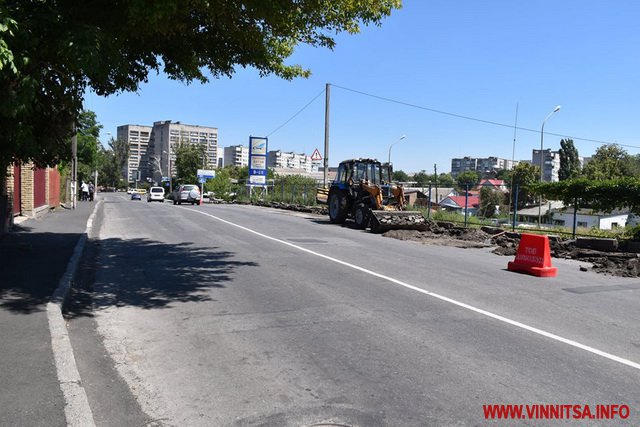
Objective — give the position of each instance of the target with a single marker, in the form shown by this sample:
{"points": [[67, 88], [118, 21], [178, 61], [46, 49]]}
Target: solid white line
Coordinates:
{"points": [[77, 410], [440, 297]]}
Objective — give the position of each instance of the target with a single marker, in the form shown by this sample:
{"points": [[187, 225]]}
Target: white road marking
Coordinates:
{"points": [[77, 410], [486, 313]]}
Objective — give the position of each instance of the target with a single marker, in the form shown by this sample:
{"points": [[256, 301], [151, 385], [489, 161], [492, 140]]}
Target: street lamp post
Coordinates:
{"points": [[391, 146], [555, 110], [389, 163]]}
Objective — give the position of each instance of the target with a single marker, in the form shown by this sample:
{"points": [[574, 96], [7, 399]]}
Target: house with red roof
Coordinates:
{"points": [[494, 184], [457, 204]]}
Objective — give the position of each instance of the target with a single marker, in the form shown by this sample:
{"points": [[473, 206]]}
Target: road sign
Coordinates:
{"points": [[166, 179], [316, 155], [206, 174]]}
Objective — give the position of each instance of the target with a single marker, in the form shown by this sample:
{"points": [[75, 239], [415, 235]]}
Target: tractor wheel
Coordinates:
{"points": [[361, 216], [338, 207]]}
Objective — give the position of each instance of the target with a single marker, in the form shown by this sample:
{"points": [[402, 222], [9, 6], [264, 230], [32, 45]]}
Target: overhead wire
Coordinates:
{"points": [[475, 119], [296, 114]]}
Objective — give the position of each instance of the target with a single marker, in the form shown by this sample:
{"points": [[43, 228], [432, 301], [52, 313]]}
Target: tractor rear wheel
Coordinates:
{"points": [[361, 216], [337, 207]]}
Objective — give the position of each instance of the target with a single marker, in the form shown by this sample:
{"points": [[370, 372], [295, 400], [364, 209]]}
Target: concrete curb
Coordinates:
{"points": [[76, 410]]}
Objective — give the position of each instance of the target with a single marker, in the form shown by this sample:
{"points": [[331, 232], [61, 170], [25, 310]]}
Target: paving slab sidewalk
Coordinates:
{"points": [[33, 258]]}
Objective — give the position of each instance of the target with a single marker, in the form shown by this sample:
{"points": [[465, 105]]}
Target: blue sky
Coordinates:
{"points": [[478, 60]]}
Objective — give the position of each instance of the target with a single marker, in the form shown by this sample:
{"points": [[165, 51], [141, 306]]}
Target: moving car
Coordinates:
{"points": [[136, 196], [156, 194], [186, 193]]}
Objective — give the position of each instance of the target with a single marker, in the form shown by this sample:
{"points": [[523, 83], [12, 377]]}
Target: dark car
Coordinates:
{"points": [[136, 196], [186, 193]]}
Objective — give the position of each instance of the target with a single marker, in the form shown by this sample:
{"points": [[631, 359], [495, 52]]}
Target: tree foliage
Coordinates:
{"points": [[603, 195], [609, 162], [489, 199], [524, 175], [467, 178], [112, 164], [51, 52], [400, 176], [189, 158], [569, 160]]}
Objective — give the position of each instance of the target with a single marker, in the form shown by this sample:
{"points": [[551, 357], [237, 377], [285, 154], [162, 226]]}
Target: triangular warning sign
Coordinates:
{"points": [[316, 155]]}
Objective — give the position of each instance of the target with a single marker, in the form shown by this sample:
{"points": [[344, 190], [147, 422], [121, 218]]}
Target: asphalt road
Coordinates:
{"points": [[237, 315]]}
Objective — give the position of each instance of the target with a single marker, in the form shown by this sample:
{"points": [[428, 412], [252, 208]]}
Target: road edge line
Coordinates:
{"points": [[77, 410]]}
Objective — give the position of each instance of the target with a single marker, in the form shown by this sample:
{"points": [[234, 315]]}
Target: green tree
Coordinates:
{"points": [[221, 184], [467, 178], [489, 199], [400, 176], [609, 162], [444, 180], [189, 158], [569, 160], [421, 178], [525, 175], [51, 52]]}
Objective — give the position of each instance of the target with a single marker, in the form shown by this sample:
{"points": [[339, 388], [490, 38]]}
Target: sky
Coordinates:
{"points": [[455, 77]]}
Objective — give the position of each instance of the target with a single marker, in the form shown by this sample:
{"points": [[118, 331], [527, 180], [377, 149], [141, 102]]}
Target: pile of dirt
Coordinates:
{"points": [[624, 264], [505, 243]]}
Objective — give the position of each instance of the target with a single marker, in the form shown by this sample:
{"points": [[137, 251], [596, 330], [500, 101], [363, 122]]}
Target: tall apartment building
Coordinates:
{"points": [[550, 162], [137, 137], [236, 155], [167, 135], [290, 160], [483, 166]]}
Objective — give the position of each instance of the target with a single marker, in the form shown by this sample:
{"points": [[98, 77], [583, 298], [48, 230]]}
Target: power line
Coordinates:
{"points": [[475, 119], [296, 114]]}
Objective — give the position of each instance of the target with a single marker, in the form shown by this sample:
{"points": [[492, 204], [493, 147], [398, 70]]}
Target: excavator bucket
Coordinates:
{"points": [[382, 221]]}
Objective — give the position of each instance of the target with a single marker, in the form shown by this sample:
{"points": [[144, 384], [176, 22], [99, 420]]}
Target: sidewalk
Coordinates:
{"points": [[33, 258]]}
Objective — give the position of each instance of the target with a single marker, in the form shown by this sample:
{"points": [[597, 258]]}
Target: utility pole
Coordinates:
{"points": [[74, 166], [435, 178], [327, 93]]}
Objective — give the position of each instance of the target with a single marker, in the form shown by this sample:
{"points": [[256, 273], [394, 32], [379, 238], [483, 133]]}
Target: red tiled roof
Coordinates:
{"points": [[494, 182], [459, 200]]}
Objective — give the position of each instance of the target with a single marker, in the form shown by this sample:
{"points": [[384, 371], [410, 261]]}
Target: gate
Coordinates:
{"points": [[39, 188]]}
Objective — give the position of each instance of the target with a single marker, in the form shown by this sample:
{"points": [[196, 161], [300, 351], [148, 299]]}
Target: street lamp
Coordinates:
{"points": [[555, 110], [401, 138], [389, 164]]}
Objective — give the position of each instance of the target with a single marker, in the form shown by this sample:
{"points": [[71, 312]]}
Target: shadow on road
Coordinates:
{"points": [[31, 265], [148, 274]]}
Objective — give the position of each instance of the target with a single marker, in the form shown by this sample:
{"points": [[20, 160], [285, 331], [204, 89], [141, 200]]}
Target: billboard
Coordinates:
{"points": [[258, 160]]}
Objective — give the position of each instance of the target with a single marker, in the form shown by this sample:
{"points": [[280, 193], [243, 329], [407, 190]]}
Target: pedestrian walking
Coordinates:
{"points": [[84, 188], [92, 190]]}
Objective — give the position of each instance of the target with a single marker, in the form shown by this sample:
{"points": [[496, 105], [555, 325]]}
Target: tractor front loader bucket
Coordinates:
{"points": [[382, 221]]}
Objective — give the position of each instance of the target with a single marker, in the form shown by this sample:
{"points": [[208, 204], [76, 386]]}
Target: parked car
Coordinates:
{"points": [[136, 196], [155, 194], [186, 193]]}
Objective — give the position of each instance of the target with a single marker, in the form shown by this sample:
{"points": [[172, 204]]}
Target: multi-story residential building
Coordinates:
{"points": [[289, 160], [483, 166], [166, 136], [550, 162], [236, 155], [137, 136]]}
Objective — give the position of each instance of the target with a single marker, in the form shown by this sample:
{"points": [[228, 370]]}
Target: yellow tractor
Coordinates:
{"points": [[363, 191]]}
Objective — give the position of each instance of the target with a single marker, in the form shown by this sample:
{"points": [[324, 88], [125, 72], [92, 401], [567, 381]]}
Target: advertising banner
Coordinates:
{"points": [[258, 160]]}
